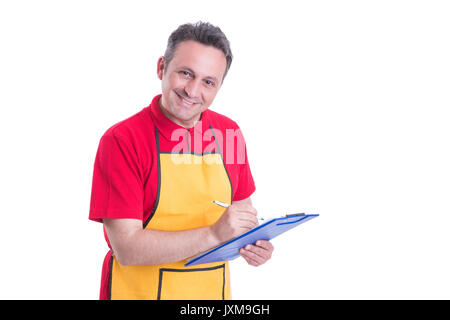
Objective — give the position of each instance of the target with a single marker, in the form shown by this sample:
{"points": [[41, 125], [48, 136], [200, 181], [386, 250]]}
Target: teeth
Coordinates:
{"points": [[187, 102]]}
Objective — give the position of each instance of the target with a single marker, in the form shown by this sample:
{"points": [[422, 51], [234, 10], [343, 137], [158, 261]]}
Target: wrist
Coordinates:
{"points": [[212, 239]]}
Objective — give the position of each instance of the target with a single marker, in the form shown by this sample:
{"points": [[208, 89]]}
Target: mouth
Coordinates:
{"points": [[185, 102]]}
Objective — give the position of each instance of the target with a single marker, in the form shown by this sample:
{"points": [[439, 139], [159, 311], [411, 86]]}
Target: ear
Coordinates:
{"points": [[160, 67]]}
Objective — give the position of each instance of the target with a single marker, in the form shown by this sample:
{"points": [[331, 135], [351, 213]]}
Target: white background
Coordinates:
{"points": [[344, 106]]}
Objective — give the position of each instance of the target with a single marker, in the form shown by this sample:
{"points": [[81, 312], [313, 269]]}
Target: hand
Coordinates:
{"points": [[236, 220], [257, 254]]}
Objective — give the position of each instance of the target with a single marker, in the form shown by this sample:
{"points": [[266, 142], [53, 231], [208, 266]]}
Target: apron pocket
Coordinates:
{"points": [[192, 284]]}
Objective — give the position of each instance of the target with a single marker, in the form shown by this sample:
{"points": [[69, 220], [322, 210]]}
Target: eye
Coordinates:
{"points": [[210, 83], [186, 73]]}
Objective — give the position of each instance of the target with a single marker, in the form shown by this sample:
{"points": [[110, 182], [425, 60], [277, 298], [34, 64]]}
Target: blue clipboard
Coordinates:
{"points": [[265, 231]]}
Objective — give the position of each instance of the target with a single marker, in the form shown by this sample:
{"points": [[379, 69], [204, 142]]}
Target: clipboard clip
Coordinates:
{"points": [[295, 214], [301, 215]]}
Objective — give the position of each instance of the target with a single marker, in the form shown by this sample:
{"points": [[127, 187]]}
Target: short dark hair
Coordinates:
{"points": [[202, 32]]}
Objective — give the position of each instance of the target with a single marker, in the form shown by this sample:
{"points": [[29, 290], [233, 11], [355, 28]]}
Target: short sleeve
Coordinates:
{"points": [[117, 188], [246, 184]]}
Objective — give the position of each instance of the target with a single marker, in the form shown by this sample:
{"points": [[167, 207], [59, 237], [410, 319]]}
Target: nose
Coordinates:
{"points": [[192, 88]]}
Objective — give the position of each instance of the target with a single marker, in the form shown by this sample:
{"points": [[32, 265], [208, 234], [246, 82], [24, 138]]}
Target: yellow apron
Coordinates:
{"points": [[188, 183]]}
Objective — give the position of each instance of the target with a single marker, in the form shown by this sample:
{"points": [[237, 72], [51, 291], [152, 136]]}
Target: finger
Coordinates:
{"points": [[252, 254], [247, 223], [258, 251], [247, 208], [249, 259], [247, 216], [245, 229], [265, 244]]}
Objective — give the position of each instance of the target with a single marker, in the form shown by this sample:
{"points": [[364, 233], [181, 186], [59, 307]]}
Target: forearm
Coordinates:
{"points": [[154, 247]]}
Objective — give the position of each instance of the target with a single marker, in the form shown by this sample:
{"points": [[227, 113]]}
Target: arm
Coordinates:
{"points": [[133, 245]]}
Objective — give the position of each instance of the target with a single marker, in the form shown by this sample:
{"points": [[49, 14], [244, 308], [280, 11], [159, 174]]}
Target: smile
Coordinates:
{"points": [[185, 102]]}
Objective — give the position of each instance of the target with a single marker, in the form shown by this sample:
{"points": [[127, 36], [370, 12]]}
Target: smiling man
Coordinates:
{"points": [[158, 212], [187, 93]]}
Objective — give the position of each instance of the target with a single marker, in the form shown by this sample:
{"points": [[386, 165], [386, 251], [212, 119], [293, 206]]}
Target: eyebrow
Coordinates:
{"points": [[207, 77]]}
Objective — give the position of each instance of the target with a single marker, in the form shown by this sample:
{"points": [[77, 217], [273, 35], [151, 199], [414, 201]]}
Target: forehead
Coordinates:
{"points": [[202, 59]]}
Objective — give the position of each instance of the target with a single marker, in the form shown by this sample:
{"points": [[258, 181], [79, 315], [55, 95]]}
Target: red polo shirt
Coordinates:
{"points": [[125, 179]]}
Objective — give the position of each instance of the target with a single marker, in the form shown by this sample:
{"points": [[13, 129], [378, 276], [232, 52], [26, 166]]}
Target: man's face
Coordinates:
{"points": [[190, 82]]}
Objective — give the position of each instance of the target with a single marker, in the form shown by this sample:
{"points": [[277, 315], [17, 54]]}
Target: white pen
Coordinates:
{"points": [[226, 205], [222, 204]]}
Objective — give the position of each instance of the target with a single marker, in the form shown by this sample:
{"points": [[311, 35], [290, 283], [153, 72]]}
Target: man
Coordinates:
{"points": [[155, 202]]}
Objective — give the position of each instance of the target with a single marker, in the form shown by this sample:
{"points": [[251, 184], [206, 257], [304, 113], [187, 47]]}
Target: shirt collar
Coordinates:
{"points": [[167, 126]]}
